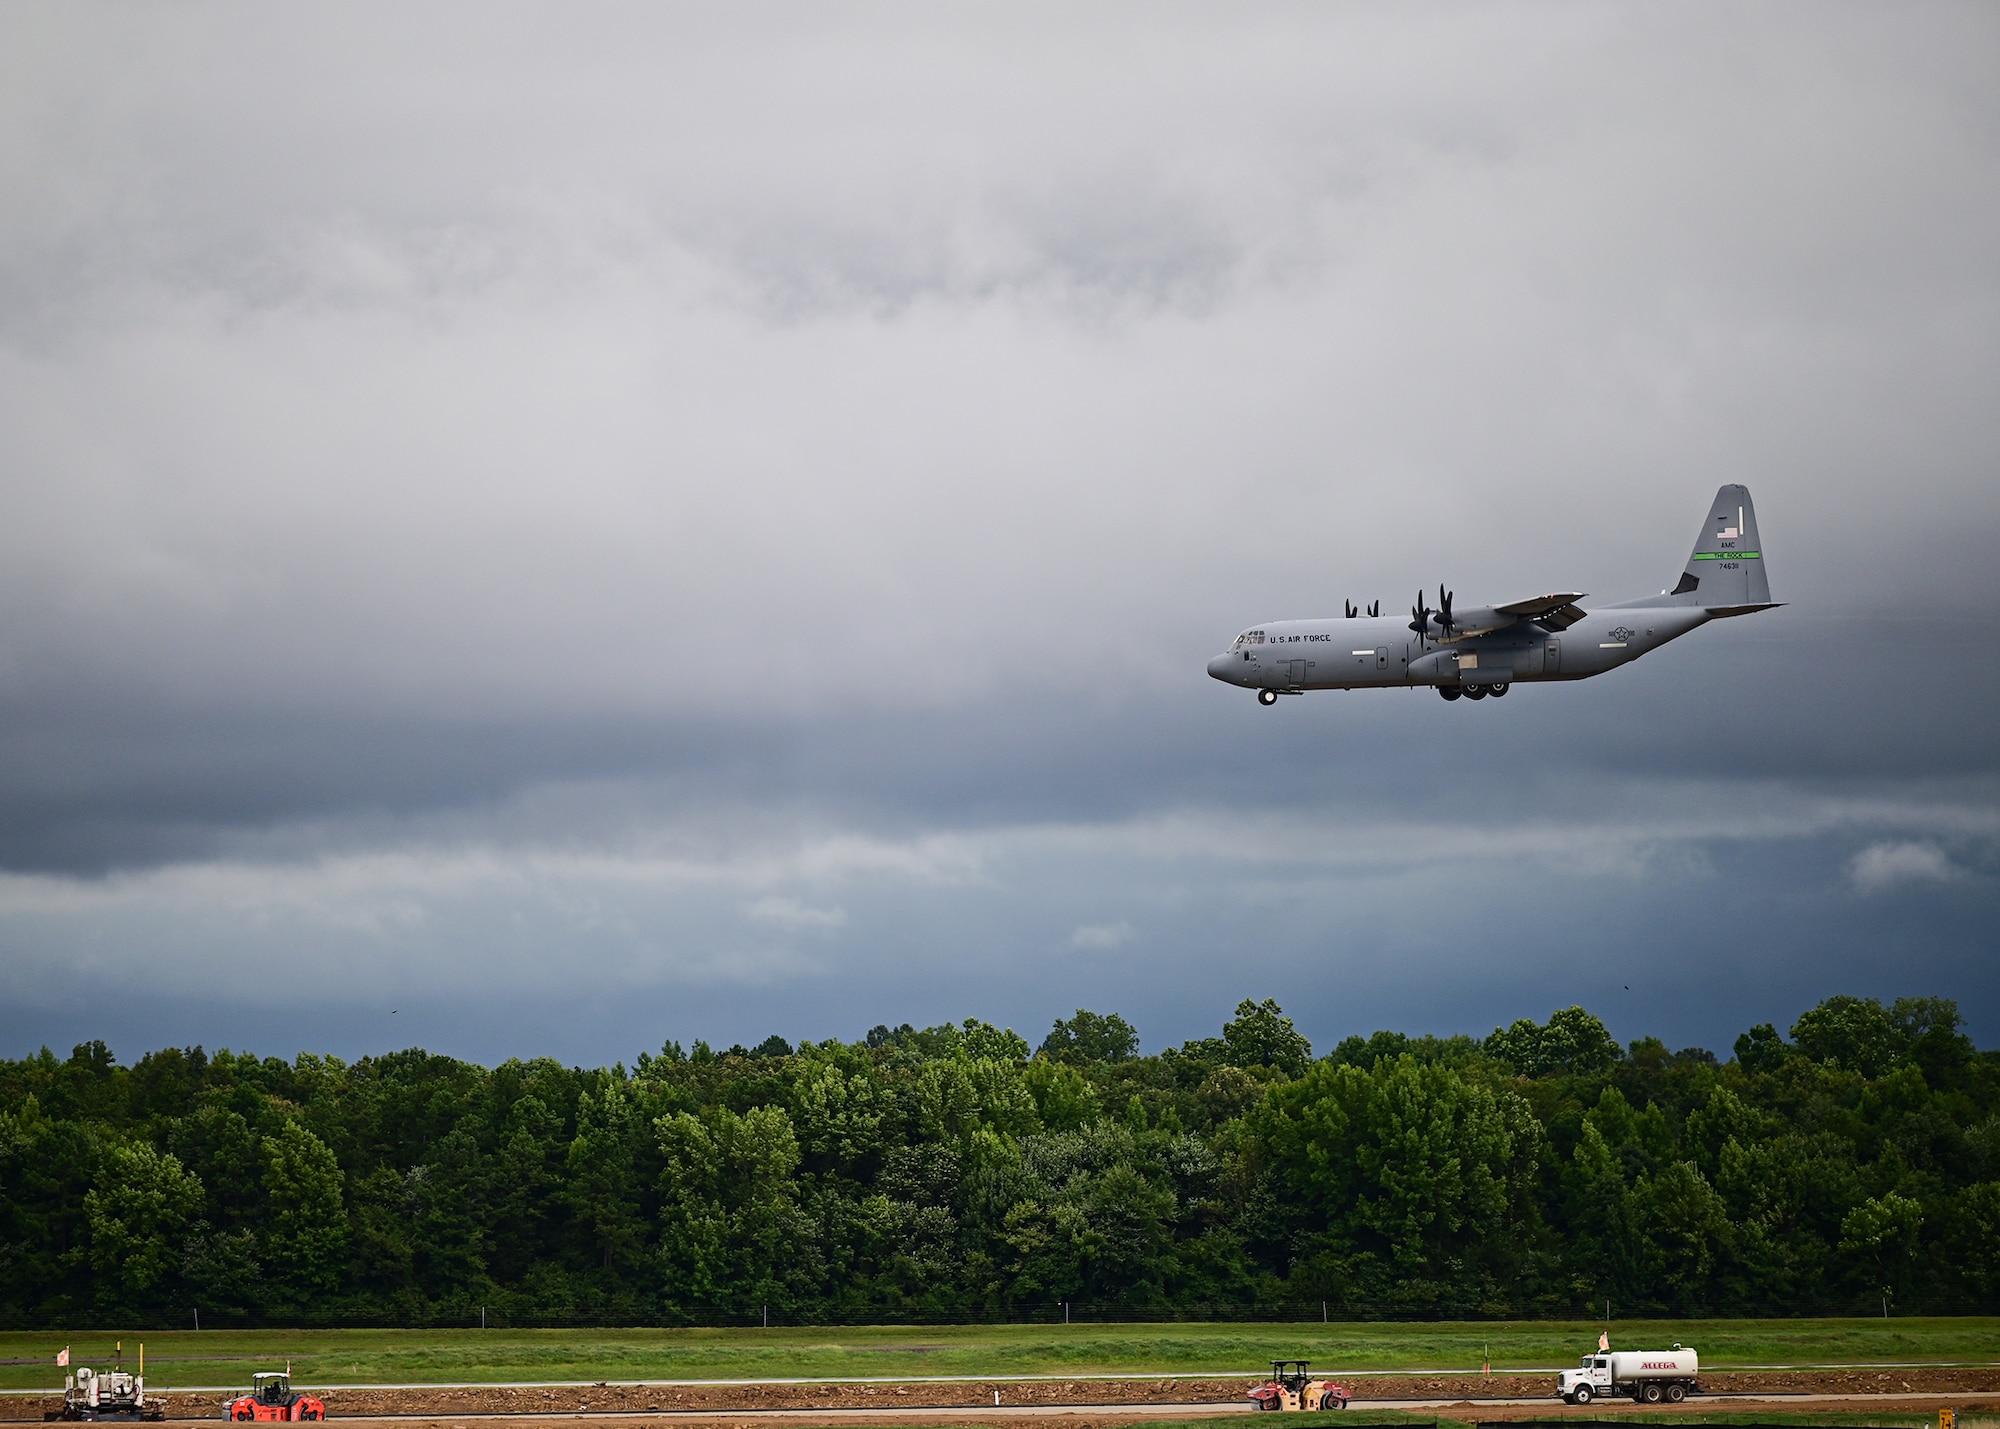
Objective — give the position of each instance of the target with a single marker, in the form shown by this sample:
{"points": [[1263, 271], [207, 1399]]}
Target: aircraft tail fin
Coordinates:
{"points": [[1726, 567]]}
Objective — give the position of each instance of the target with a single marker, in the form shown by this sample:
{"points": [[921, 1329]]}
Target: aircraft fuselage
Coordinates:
{"points": [[1365, 653]]}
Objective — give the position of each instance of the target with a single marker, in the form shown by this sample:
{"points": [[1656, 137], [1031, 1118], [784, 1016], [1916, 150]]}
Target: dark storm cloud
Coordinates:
{"points": [[670, 505]]}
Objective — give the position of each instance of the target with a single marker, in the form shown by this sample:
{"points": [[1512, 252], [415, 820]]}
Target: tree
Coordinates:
{"points": [[305, 1230], [1761, 1049], [726, 1203], [1572, 1042], [1260, 1035], [1882, 1231], [1408, 1167], [938, 1171], [837, 1117], [957, 1097], [139, 1214], [1851, 1033], [601, 1191], [1607, 1254], [1686, 1222], [1063, 1099], [1091, 1037]]}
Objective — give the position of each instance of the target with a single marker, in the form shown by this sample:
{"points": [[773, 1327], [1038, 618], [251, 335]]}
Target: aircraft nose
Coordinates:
{"points": [[1221, 668]]}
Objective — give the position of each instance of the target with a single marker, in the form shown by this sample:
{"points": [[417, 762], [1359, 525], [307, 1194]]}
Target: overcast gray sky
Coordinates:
{"points": [[541, 529]]}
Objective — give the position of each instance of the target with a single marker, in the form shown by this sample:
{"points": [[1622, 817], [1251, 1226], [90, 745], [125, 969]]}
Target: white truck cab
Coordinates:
{"points": [[1643, 1376]]}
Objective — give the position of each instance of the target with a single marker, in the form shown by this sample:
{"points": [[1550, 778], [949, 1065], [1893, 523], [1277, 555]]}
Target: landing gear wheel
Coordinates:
{"points": [[1676, 1393], [1475, 692], [1582, 1394], [1267, 697], [1651, 1393], [1450, 692], [1498, 690]]}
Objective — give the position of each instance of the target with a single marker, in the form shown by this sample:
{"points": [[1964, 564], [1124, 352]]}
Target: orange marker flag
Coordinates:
{"points": [[62, 1356], [1604, 1341]]}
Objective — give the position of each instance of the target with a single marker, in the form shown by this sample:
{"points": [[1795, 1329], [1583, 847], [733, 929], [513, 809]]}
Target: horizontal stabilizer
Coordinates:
{"points": [[1540, 605], [1722, 611]]}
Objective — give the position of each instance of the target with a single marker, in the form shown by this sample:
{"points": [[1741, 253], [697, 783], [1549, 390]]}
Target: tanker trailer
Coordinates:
{"points": [[1643, 1376]]}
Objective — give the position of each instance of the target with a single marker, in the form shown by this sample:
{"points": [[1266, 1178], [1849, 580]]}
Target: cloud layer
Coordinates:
{"points": [[648, 507]]}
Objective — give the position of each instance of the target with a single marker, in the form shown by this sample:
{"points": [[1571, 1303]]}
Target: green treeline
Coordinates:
{"points": [[950, 1171]]}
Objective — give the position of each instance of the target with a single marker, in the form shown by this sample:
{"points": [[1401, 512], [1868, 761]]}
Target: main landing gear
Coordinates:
{"points": [[1472, 692]]}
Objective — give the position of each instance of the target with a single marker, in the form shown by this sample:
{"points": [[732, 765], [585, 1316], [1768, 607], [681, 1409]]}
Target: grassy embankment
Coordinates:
{"points": [[180, 1359]]}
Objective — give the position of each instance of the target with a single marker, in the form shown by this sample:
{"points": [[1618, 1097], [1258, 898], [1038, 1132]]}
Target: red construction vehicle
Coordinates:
{"points": [[271, 1396], [1290, 1387]]}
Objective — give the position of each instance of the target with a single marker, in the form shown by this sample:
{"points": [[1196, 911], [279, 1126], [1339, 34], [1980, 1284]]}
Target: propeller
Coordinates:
{"points": [[1420, 615], [1375, 610], [1351, 612], [1445, 622]]}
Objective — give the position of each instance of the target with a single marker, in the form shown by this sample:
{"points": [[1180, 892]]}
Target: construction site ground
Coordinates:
{"points": [[1082, 1403]]}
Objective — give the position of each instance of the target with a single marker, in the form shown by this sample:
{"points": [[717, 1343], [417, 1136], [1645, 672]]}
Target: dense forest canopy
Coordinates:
{"points": [[953, 1170]]}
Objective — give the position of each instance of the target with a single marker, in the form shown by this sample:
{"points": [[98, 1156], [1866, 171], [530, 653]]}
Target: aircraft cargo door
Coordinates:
{"points": [[1552, 657]]}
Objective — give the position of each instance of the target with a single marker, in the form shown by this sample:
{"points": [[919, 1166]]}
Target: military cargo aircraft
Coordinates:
{"points": [[1477, 654]]}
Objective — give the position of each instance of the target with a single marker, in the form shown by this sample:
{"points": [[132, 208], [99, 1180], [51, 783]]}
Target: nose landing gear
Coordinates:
{"points": [[1267, 697]]}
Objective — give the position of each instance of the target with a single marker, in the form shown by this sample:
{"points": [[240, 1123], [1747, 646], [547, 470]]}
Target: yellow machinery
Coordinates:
{"points": [[1292, 1387]]}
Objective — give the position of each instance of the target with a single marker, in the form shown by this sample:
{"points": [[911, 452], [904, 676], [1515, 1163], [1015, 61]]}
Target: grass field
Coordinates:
{"points": [[179, 1359]]}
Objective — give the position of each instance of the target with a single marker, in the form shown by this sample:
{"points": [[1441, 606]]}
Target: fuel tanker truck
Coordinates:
{"points": [[1643, 1376]]}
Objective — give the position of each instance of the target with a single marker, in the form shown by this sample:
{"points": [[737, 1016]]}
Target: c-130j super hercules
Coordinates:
{"points": [[1474, 654]]}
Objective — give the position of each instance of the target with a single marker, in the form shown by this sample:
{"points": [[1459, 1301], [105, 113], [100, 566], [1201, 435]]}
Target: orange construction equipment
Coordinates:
{"points": [[1291, 1387], [271, 1396]]}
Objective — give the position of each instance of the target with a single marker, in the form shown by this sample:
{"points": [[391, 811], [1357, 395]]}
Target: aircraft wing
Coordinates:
{"points": [[1540, 605], [1552, 612]]}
